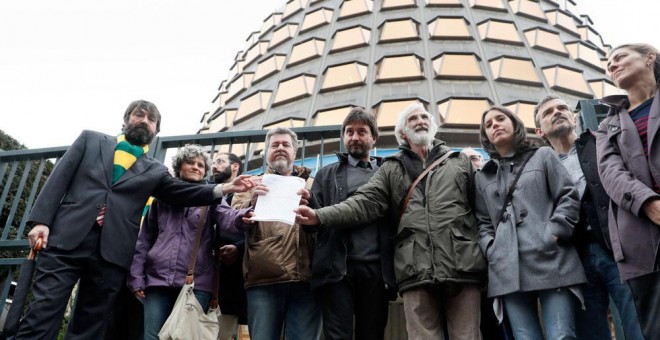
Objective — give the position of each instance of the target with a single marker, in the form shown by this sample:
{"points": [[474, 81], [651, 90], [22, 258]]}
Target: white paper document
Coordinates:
{"points": [[281, 200]]}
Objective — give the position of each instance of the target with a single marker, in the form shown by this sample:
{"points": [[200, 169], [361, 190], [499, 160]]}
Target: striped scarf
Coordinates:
{"points": [[125, 155]]}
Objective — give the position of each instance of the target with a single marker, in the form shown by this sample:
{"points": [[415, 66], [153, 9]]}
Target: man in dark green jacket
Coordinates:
{"points": [[438, 265]]}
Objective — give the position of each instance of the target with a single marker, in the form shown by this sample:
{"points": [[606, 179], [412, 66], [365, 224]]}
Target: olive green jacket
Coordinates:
{"points": [[436, 239]]}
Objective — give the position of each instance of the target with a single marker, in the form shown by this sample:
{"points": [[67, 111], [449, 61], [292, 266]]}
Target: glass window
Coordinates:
{"points": [[222, 121], [344, 76], [496, 5], [514, 70], [449, 28], [588, 34], [585, 54], [316, 19], [400, 68], [255, 52], [252, 39], [524, 111], [387, 112], [462, 110], [567, 80], [350, 38], [270, 23], [306, 50], [395, 4], [239, 85], [499, 31], [563, 21], [268, 67], [294, 89], [545, 40], [331, 116], [236, 69], [444, 3], [253, 104], [457, 66], [399, 30], [289, 123], [352, 8], [603, 87], [529, 9], [293, 7], [222, 98], [223, 86], [283, 34]]}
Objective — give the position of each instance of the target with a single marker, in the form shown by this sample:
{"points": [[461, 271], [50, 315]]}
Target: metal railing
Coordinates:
{"points": [[23, 173]]}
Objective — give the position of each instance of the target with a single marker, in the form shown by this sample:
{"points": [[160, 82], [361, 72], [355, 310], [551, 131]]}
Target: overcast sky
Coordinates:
{"points": [[70, 65]]}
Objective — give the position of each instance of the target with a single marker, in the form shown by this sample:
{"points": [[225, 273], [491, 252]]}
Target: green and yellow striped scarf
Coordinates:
{"points": [[125, 156]]}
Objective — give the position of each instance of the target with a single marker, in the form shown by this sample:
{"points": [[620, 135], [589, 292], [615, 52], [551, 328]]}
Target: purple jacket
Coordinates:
{"points": [[627, 177], [166, 241]]}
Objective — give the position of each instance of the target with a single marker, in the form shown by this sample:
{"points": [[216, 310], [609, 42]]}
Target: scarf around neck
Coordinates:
{"points": [[125, 156]]}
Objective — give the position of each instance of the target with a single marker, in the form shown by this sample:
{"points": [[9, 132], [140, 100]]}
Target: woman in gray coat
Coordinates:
{"points": [[527, 238], [628, 153]]}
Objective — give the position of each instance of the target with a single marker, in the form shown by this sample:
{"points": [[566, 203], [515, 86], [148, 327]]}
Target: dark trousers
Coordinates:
{"points": [[57, 271], [362, 294], [646, 294]]}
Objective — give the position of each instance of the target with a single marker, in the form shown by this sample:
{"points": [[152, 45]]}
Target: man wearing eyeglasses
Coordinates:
{"points": [[225, 168], [233, 302]]}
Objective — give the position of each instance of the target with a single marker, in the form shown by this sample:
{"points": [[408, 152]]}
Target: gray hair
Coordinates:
{"points": [[187, 153], [403, 115], [537, 119], [283, 131]]}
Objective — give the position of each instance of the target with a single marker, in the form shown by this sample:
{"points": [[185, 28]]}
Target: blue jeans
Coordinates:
{"points": [[289, 305], [158, 304], [604, 282], [558, 309]]}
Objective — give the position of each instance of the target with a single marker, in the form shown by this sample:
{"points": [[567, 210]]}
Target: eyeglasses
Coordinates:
{"points": [[222, 161]]}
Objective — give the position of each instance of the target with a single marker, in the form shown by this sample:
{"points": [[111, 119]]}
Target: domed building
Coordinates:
{"points": [[313, 60]]}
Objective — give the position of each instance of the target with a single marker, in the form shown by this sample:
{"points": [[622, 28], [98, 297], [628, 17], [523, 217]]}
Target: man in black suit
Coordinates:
{"points": [[88, 215]]}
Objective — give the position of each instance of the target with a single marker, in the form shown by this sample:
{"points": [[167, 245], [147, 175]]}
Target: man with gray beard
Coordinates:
{"points": [[277, 259], [438, 265]]}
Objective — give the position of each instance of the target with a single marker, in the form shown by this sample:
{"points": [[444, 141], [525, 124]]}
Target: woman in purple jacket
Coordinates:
{"points": [[628, 149], [165, 245]]}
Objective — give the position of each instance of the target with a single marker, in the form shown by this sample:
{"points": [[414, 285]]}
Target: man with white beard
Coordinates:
{"points": [[276, 267], [438, 265]]}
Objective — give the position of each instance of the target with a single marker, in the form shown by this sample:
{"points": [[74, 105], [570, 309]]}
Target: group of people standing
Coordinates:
{"points": [[565, 226]]}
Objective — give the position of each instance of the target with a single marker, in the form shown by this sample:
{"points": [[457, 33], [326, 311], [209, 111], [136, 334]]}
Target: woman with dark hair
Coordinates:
{"points": [[526, 205], [165, 246], [629, 166]]}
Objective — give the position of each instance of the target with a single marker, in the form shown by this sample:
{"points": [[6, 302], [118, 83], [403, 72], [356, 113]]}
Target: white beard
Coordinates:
{"points": [[420, 137]]}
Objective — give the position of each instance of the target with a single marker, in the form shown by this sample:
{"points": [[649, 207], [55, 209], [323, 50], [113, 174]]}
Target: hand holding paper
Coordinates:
{"points": [[279, 200]]}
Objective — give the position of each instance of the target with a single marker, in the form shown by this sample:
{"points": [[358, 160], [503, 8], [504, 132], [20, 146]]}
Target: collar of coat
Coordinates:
{"points": [[298, 171], [343, 158], [618, 102], [492, 165], [436, 151]]}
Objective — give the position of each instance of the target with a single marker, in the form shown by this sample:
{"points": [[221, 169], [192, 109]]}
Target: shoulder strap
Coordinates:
{"points": [[198, 237], [419, 178], [509, 194]]}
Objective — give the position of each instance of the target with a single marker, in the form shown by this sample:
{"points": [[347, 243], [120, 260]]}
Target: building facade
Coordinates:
{"points": [[313, 60]]}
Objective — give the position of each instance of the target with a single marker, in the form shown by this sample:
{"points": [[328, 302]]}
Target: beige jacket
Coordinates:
{"points": [[276, 252]]}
